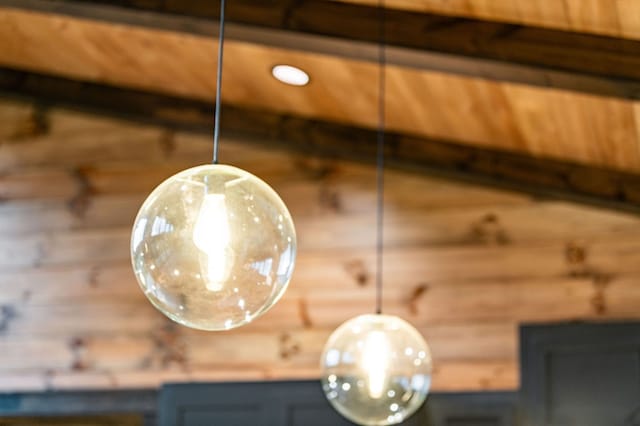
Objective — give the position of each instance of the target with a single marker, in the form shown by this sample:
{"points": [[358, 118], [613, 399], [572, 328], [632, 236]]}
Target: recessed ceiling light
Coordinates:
{"points": [[290, 75]]}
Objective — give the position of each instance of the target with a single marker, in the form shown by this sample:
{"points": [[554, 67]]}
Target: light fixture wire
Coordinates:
{"points": [[382, 59], [216, 125]]}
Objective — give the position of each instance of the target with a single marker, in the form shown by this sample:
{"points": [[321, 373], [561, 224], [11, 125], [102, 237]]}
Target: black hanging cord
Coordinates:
{"points": [[216, 125], [380, 153]]}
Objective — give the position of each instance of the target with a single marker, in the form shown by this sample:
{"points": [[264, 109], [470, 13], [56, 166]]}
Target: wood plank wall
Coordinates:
{"points": [[465, 264]]}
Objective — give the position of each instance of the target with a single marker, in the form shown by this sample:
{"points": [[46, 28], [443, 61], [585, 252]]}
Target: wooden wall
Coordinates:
{"points": [[465, 264]]}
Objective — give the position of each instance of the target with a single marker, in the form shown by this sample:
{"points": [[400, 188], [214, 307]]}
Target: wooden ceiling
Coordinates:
{"points": [[549, 123], [618, 18], [538, 93]]}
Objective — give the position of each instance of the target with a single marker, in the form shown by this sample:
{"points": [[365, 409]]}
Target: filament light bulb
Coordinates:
{"points": [[375, 362], [211, 234]]}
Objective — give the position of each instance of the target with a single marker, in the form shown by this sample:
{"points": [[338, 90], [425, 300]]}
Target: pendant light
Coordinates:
{"points": [[213, 247], [375, 368]]}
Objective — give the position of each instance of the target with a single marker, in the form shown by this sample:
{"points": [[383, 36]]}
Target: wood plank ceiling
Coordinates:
{"points": [[465, 264], [549, 123], [618, 18]]}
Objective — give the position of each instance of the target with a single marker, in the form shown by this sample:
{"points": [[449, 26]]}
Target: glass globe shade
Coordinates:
{"points": [[376, 370], [213, 247]]}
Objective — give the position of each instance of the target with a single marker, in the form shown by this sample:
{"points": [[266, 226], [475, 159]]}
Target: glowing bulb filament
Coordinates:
{"points": [[375, 363], [212, 235]]}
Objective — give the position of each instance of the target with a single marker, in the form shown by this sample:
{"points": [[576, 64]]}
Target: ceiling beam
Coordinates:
{"points": [[539, 177], [491, 50]]}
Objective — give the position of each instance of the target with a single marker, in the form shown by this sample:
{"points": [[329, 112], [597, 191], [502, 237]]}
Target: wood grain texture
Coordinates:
{"points": [[547, 123], [618, 18], [500, 52], [466, 265]]}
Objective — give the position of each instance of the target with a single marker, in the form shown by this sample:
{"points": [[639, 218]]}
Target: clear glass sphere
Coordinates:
{"points": [[213, 247], [376, 370]]}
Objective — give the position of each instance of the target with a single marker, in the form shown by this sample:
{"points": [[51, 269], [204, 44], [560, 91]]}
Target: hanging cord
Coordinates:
{"points": [[216, 125], [380, 154]]}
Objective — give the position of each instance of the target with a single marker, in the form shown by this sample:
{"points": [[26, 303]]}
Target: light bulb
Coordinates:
{"points": [[376, 370], [212, 235], [213, 247], [375, 362]]}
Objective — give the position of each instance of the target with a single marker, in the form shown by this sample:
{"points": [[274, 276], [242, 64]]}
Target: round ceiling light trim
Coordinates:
{"points": [[290, 75]]}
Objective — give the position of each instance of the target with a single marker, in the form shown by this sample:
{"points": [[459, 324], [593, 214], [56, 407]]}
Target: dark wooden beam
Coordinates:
{"points": [[492, 50], [539, 177]]}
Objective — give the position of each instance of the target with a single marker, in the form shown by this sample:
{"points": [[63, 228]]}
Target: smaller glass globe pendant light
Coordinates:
{"points": [[376, 369], [213, 247]]}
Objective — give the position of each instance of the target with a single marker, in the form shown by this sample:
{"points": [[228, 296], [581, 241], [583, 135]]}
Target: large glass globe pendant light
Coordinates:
{"points": [[375, 368], [213, 247]]}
